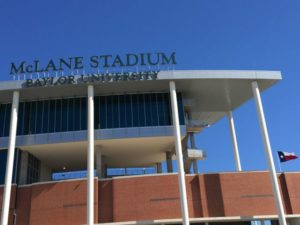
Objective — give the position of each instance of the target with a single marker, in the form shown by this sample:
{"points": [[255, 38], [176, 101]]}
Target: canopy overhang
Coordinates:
{"points": [[210, 93]]}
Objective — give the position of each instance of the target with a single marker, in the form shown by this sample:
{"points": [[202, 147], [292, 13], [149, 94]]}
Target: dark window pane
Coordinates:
{"points": [[83, 116], [2, 115], [167, 109], [26, 118], [115, 111], [135, 110], [52, 121], [160, 108], [180, 109], [39, 117], [141, 106], [122, 107], [7, 119], [46, 117], [20, 119], [77, 114], [64, 113], [71, 114], [103, 109], [32, 117], [148, 111], [109, 112], [154, 110], [96, 111], [128, 109], [58, 115]]}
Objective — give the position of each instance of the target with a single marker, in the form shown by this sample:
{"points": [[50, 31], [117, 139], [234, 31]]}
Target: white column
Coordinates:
{"points": [[10, 158], [234, 142], [178, 147], [90, 158], [268, 152]]}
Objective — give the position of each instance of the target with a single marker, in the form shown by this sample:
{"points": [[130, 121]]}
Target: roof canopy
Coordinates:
{"points": [[209, 93]]}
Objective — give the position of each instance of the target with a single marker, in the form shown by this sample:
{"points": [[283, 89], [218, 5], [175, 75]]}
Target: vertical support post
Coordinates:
{"points": [[10, 158], [238, 166], [90, 158], [169, 162], [178, 147], [193, 146], [268, 152], [262, 222], [99, 163], [158, 168]]}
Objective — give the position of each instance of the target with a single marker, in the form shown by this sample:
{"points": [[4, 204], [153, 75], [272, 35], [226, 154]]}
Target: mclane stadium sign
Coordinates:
{"points": [[127, 62]]}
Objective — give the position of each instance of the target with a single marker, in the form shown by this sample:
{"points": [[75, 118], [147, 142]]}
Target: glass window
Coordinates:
{"points": [[109, 112], [77, 114], [148, 111], [129, 119], [39, 117], [64, 113], [97, 113], [52, 121], [135, 110], [180, 109], [115, 108], [46, 113], [160, 109], [167, 109], [26, 119], [103, 109], [32, 117], [141, 105], [20, 119], [83, 114], [33, 169], [154, 112], [7, 119], [122, 107], [71, 114], [58, 113], [2, 119]]}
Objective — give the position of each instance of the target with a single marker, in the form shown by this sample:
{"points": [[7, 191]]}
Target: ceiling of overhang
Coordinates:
{"points": [[132, 152]]}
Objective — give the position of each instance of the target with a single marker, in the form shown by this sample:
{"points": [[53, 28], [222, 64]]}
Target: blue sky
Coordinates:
{"points": [[210, 34]]}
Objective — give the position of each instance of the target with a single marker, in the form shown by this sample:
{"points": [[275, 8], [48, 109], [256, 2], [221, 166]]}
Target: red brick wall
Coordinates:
{"points": [[154, 197], [237, 194], [209, 195], [23, 205], [105, 199], [62, 203], [12, 202], [293, 191]]}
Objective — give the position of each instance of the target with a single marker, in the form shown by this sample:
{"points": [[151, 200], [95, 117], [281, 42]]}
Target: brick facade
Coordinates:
{"points": [[153, 197]]}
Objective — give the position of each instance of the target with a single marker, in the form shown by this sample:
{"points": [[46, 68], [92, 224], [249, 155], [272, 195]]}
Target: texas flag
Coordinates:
{"points": [[286, 156]]}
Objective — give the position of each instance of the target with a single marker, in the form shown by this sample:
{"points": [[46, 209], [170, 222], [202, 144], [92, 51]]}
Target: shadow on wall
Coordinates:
{"points": [[196, 196], [285, 194], [214, 197]]}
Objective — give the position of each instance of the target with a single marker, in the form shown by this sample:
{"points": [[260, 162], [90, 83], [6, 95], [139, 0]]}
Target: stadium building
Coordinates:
{"points": [[100, 122]]}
